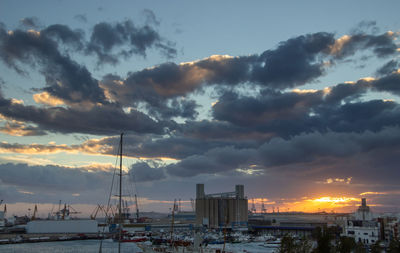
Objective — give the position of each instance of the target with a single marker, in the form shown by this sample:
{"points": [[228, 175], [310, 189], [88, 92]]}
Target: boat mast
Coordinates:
{"points": [[137, 209], [120, 195]]}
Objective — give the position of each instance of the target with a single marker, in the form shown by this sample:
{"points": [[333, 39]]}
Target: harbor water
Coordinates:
{"points": [[92, 246]]}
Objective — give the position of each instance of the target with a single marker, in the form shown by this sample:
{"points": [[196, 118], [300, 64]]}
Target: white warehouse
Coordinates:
{"points": [[62, 226]]}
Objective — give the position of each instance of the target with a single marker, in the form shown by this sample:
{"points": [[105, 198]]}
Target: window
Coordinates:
{"points": [[365, 233], [350, 232]]}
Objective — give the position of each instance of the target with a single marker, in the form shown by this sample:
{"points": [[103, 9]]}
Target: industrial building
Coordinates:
{"points": [[227, 209]]}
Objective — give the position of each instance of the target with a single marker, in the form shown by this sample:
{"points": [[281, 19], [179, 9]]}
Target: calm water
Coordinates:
{"points": [[92, 246]]}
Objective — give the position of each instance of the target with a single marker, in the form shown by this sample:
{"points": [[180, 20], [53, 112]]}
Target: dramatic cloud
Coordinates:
{"points": [[389, 67], [96, 120], [304, 148], [17, 128], [337, 108], [142, 172], [382, 45], [65, 78], [261, 124], [294, 62], [52, 177], [130, 39]]}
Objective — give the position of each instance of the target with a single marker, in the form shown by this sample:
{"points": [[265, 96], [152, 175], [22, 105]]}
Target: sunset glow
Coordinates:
{"points": [[304, 112], [327, 204]]}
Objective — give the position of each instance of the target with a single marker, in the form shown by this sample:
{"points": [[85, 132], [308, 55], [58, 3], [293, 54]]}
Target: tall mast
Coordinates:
{"points": [[120, 194], [137, 209]]}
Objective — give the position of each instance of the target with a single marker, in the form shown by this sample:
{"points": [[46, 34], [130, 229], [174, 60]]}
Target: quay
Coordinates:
{"points": [[45, 237]]}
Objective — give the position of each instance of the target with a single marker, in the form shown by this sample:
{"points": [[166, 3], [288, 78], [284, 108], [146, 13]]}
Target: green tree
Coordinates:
{"points": [[376, 247], [360, 248], [287, 244], [394, 246], [304, 246], [292, 245], [346, 245], [323, 236]]}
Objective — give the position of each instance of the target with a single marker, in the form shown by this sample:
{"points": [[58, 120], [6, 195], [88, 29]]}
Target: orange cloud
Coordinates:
{"points": [[338, 180], [337, 47], [47, 99], [35, 148], [380, 193], [18, 128]]}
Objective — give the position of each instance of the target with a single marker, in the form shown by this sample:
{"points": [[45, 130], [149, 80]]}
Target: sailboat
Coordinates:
{"points": [[121, 236], [122, 217]]}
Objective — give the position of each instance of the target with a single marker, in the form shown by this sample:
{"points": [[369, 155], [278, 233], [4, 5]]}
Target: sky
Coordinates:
{"points": [[296, 100]]}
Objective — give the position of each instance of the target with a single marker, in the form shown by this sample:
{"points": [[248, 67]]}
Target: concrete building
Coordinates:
{"points": [[389, 226], [363, 228], [363, 212], [221, 209]]}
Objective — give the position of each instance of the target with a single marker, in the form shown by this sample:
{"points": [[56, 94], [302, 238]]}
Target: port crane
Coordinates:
{"points": [[35, 210]]}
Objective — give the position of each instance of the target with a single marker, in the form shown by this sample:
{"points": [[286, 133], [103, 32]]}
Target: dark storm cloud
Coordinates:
{"points": [[171, 80], [97, 120], [269, 106], [65, 78], [216, 130], [157, 106], [174, 108], [347, 92], [142, 172], [364, 26], [382, 45], [338, 108], [388, 68], [295, 62], [371, 115], [389, 83], [277, 152], [271, 69], [214, 161], [30, 22], [65, 35], [52, 177], [153, 146], [111, 41], [20, 129]]}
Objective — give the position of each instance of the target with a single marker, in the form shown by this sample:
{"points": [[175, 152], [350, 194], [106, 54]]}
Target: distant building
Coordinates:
{"points": [[363, 212], [389, 228], [221, 209], [2, 219], [363, 228], [294, 223]]}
